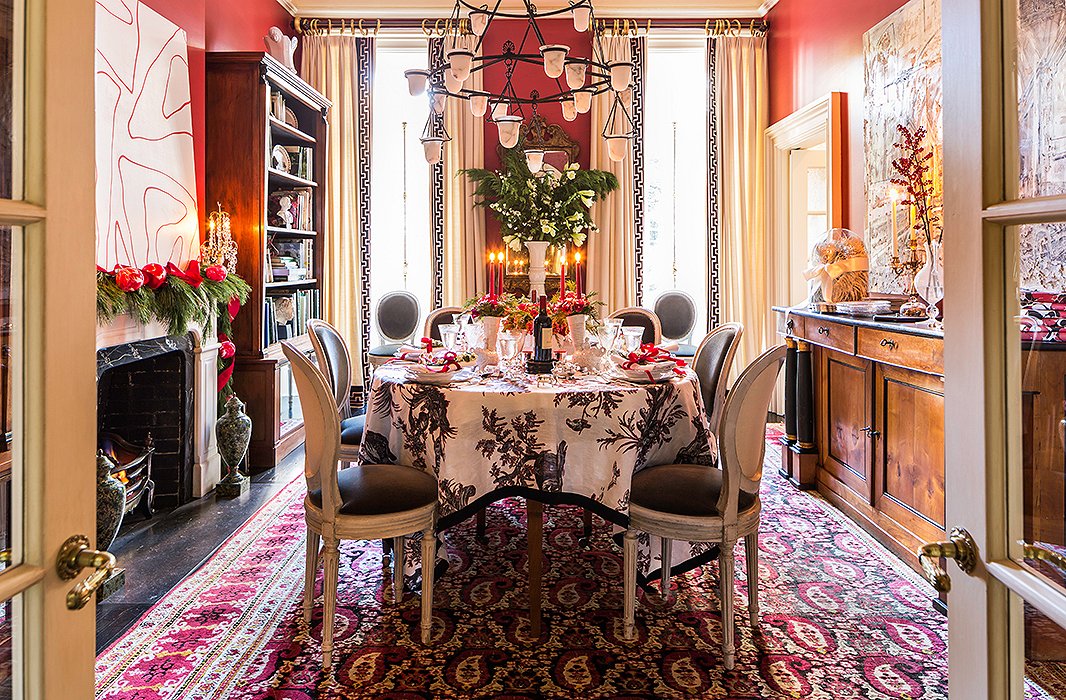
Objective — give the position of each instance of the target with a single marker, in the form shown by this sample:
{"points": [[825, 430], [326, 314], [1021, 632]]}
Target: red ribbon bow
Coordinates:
{"points": [[450, 360], [190, 275], [651, 354]]}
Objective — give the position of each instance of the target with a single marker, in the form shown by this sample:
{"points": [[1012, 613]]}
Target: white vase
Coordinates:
{"points": [[577, 330], [537, 252], [491, 327]]}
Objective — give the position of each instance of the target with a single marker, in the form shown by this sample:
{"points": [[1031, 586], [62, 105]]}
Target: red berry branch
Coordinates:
{"points": [[914, 170]]}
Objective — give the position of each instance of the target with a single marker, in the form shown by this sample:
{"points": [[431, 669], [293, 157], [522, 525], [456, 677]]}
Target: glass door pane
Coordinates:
{"points": [[1045, 656], [1041, 85]]}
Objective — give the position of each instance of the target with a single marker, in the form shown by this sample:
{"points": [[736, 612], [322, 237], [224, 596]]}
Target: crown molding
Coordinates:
{"points": [[418, 9], [764, 9], [289, 6]]}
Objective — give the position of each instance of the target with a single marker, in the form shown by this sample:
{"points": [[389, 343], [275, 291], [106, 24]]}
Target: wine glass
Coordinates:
{"points": [[449, 332], [611, 329], [507, 341], [633, 335]]}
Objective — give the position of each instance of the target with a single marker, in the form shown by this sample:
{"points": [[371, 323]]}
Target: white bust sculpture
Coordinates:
{"points": [[281, 47]]}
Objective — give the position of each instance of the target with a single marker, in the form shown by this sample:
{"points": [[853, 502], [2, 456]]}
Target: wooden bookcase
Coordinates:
{"points": [[242, 131]]}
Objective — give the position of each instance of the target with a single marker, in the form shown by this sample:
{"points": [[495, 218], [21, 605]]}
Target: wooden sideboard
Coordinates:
{"points": [[865, 423]]}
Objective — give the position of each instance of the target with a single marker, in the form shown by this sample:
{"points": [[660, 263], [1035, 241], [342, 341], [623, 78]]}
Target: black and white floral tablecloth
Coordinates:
{"points": [[575, 441]]}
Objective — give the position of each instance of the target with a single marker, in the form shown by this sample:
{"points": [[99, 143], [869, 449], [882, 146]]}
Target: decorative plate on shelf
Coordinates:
{"points": [[279, 159], [290, 118]]}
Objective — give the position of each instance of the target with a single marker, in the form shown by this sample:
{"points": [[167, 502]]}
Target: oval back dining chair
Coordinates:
{"points": [[396, 316], [335, 362], [713, 360], [677, 315], [639, 316], [436, 319], [374, 501], [698, 503]]}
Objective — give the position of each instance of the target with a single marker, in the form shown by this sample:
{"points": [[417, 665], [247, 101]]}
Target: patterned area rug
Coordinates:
{"points": [[841, 618]]}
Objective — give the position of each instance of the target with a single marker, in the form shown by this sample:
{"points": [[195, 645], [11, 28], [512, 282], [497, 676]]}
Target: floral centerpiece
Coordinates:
{"points": [[489, 305], [520, 315], [549, 206]]}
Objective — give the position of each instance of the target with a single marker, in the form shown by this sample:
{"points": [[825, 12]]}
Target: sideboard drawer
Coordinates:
{"points": [[828, 334], [908, 351]]}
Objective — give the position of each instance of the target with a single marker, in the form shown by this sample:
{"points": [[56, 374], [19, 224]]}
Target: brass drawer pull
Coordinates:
{"points": [[823, 330], [888, 343], [789, 325]]}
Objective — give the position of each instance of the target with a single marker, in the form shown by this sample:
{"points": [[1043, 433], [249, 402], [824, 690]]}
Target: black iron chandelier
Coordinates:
{"points": [[578, 78]]}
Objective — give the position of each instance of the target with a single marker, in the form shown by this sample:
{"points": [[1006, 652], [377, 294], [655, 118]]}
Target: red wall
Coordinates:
{"points": [[528, 77], [217, 25], [815, 47]]}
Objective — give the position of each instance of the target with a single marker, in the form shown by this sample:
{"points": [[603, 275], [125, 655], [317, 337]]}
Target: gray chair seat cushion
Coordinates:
{"points": [[682, 489], [386, 350], [685, 350], [377, 489], [352, 430]]}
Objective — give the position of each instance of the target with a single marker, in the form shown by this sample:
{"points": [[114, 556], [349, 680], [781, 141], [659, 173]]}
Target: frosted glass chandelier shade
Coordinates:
{"points": [[575, 74], [479, 19], [617, 147], [509, 128], [534, 160], [499, 110], [440, 101], [569, 110], [452, 82], [416, 81], [479, 104], [554, 56], [621, 75], [434, 149], [583, 101], [581, 17], [461, 61]]}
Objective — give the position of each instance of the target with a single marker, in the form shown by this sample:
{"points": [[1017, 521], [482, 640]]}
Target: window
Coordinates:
{"points": [[675, 171], [400, 226]]}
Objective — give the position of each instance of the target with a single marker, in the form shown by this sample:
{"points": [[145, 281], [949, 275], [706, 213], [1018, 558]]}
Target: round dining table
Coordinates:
{"points": [[575, 440]]}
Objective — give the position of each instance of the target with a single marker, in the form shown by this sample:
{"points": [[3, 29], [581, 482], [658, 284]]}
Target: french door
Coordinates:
{"points": [[47, 348], [1005, 344]]}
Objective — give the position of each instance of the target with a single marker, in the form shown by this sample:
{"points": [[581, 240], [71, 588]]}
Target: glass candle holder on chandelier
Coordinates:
{"points": [[609, 70]]}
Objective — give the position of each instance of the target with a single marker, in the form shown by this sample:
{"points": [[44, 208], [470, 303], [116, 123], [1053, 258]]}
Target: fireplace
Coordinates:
{"points": [[144, 395]]}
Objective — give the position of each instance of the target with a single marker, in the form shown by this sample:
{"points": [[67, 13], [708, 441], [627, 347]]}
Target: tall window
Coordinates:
{"points": [[675, 171], [399, 209]]}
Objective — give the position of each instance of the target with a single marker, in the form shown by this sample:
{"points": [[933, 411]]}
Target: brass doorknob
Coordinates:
{"points": [[959, 546], [74, 556]]}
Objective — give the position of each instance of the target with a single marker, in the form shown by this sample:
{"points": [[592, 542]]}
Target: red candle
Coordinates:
{"points": [[499, 273], [492, 274], [579, 284], [562, 274]]}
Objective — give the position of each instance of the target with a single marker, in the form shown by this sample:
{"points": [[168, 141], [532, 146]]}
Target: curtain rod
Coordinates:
{"points": [[439, 26]]}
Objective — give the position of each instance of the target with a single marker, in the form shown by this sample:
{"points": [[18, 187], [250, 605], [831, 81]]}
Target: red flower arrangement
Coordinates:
{"points": [[914, 167], [489, 305]]}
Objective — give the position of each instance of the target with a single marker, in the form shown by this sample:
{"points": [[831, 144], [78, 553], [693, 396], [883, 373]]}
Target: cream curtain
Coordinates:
{"points": [[741, 82], [612, 251], [340, 67], [464, 224]]}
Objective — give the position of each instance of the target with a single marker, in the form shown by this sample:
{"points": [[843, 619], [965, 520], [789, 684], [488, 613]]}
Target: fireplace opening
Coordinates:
{"points": [[145, 398]]}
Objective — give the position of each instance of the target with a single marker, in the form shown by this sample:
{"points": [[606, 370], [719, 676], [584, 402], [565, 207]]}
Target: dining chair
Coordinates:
{"points": [[698, 503], [713, 360], [639, 316], [375, 501], [335, 362], [676, 312], [396, 317], [436, 319]]}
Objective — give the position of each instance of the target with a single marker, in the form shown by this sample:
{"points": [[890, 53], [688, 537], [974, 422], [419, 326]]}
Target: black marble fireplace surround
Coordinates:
{"points": [[145, 387]]}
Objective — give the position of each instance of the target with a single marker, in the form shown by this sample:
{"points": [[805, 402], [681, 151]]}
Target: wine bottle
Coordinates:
{"points": [[542, 333]]}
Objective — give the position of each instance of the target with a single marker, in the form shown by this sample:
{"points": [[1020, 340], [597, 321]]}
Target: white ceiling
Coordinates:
{"points": [[418, 9]]}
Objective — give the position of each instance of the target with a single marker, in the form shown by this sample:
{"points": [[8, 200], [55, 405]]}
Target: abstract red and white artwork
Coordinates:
{"points": [[145, 175]]}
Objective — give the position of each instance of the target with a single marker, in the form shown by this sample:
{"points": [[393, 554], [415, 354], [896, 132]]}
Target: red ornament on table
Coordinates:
{"points": [[215, 273], [154, 275], [129, 279]]}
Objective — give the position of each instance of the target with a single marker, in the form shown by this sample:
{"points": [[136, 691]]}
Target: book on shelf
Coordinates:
{"points": [[290, 259], [285, 314], [301, 159], [293, 209]]}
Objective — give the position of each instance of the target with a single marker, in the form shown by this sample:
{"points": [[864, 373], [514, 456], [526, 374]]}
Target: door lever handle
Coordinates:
{"points": [[74, 556], [1038, 553], [959, 546]]}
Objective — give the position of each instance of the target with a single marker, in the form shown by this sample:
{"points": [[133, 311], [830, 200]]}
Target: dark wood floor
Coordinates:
{"points": [[159, 552]]}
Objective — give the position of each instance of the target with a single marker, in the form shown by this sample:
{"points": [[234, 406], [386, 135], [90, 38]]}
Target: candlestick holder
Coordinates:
{"points": [[908, 267]]}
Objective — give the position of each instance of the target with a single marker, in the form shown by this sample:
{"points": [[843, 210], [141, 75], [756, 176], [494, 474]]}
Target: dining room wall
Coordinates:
{"points": [[815, 47], [217, 25], [527, 78]]}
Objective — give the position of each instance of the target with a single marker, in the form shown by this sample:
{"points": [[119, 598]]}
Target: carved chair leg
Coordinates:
{"points": [[586, 527], [314, 541], [629, 585], [665, 555], [481, 524], [429, 561], [726, 571], [751, 552], [397, 569], [331, 564]]}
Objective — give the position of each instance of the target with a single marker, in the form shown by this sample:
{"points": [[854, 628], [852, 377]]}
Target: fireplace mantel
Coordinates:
{"points": [[207, 464]]}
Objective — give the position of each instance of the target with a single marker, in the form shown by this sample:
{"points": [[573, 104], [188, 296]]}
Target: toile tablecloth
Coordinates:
{"points": [[573, 441]]}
